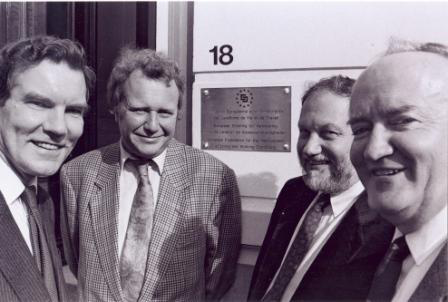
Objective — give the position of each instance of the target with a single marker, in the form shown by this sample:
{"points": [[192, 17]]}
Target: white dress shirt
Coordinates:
{"points": [[12, 187], [425, 245], [332, 216], [128, 188]]}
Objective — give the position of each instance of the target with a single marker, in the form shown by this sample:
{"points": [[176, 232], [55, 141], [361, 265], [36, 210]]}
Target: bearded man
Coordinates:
{"points": [[323, 242]]}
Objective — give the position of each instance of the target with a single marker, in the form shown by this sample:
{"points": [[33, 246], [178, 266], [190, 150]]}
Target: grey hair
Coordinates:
{"points": [[398, 46]]}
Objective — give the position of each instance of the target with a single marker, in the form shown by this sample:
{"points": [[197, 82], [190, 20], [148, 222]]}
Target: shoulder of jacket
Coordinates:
{"points": [[93, 157]]}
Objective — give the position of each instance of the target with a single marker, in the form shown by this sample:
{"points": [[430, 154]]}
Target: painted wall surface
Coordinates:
{"points": [[261, 174], [284, 35], [293, 44]]}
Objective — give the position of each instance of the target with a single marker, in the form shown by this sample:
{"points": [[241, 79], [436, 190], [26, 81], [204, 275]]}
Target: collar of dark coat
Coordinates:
{"points": [[365, 214], [366, 227], [298, 204], [361, 224]]}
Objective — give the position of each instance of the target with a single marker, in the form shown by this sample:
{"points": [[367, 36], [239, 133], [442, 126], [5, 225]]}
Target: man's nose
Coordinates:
{"points": [[312, 145], [55, 124], [152, 122], [378, 144]]}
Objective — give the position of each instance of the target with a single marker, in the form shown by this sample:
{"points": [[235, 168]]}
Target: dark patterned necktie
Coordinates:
{"points": [[136, 243], [41, 251], [388, 272], [298, 250]]}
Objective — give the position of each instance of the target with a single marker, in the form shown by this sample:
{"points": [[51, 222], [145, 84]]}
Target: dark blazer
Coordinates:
{"points": [[345, 266], [20, 279], [195, 238], [434, 285]]}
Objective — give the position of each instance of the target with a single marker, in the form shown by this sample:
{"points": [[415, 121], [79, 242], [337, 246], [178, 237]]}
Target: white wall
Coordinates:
{"points": [[282, 35], [293, 44]]}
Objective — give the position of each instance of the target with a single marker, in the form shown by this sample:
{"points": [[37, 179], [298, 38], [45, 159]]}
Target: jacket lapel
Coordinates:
{"points": [[433, 286], [291, 206], [16, 262], [104, 214], [362, 232], [169, 210]]}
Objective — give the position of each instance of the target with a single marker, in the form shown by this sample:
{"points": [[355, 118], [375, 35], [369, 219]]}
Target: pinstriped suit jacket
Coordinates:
{"points": [[20, 279], [196, 232]]}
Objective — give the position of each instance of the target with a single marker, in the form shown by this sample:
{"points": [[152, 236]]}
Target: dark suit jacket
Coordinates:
{"points": [[20, 279], [196, 233], [434, 286], [345, 266]]}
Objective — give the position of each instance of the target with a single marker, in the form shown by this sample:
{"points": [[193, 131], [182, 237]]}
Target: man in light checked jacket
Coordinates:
{"points": [[168, 231]]}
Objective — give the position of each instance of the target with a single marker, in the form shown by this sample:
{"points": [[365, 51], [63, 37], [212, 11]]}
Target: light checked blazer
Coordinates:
{"points": [[196, 233]]}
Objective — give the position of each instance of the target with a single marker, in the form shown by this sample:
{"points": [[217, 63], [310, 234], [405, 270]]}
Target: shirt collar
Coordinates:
{"points": [[430, 236], [345, 199], [159, 160], [11, 185]]}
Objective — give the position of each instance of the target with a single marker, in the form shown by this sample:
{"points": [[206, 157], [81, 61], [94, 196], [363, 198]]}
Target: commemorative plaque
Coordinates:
{"points": [[246, 119]]}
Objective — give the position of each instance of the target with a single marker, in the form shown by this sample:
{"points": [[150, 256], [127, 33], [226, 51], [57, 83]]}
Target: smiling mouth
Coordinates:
{"points": [[318, 162], [385, 171], [48, 146], [148, 137]]}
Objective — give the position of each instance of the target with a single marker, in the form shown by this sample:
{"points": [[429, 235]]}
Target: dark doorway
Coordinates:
{"points": [[103, 28]]}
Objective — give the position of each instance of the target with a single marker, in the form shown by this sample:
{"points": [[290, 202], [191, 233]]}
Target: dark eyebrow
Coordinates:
{"points": [[331, 125], [36, 97], [399, 110], [84, 107], [129, 106], [356, 120], [387, 113], [29, 97], [326, 126]]}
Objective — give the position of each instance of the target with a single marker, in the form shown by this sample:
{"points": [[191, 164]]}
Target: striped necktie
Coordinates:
{"points": [[298, 250], [41, 251]]}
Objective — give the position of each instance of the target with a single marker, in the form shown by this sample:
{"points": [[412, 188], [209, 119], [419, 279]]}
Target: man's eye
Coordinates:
{"points": [[165, 114], [330, 132], [402, 121], [138, 110], [76, 111], [304, 134], [359, 130], [38, 104]]}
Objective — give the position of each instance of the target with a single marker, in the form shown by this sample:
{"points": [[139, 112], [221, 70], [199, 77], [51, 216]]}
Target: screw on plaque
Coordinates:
{"points": [[286, 147], [206, 145], [286, 90], [205, 91]]}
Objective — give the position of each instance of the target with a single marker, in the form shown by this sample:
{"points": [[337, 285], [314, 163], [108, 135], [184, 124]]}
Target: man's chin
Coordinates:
{"points": [[321, 183], [41, 171], [312, 182], [148, 153]]}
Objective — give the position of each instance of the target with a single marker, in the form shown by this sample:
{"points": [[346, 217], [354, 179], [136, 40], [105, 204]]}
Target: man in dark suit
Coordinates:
{"points": [[322, 242], [43, 95], [181, 204], [399, 117]]}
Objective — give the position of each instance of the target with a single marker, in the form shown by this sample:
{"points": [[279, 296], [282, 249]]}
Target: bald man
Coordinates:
{"points": [[398, 115]]}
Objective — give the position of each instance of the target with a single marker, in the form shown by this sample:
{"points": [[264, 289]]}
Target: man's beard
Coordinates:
{"points": [[340, 179]]}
